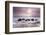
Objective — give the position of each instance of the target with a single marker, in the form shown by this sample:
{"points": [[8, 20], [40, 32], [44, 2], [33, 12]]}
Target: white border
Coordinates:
{"points": [[11, 29]]}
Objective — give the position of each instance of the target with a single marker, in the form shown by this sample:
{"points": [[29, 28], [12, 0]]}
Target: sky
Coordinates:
{"points": [[26, 11]]}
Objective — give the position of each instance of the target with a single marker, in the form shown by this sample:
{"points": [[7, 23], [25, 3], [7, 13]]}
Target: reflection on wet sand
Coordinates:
{"points": [[27, 22]]}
